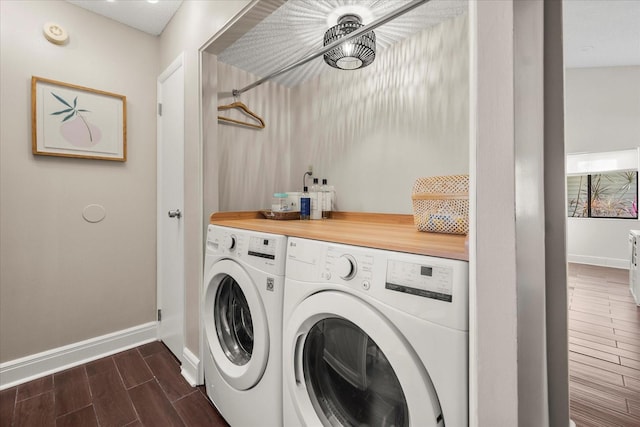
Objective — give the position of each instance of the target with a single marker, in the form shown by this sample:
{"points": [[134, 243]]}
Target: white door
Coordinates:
{"points": [[170, 258]]}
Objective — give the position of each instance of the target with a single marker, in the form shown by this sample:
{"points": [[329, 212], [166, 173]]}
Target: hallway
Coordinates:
{"points": [[604, 348]]}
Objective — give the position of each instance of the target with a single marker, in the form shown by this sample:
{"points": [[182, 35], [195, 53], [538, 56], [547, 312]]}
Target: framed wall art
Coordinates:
{"points": [[74, 121]]}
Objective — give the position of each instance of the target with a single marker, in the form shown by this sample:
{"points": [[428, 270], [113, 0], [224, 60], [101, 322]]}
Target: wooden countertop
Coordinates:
{"points": [[393, 232]]}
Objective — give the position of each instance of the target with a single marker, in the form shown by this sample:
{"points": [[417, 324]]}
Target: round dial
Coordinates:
{"points": [[346, 267], [229, 242]]}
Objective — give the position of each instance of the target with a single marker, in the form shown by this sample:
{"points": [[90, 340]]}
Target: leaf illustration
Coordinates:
{"points": [[73, 112], [69, 116], [57, 113], [61, 100]]}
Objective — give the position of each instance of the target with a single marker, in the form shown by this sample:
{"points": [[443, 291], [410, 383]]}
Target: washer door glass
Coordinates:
{"points": [[347, 364], [349, 379], [233, 322]]}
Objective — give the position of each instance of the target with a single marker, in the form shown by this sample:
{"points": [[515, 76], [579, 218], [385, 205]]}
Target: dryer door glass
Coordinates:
{"points": [[349, 379], [233, 322]]}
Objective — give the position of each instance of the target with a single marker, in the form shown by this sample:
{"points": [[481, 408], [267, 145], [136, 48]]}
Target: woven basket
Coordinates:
{"points": [[441, 204]]}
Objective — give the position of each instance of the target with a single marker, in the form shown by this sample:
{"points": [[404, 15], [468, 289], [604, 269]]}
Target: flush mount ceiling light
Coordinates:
{"points": [[353, 54]]}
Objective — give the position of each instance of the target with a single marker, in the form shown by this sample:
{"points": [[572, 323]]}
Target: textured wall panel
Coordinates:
{"points": [[372, 132], [253, 163]]}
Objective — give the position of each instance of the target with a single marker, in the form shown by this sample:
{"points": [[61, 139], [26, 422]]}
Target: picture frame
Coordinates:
{"points": [[68, 120]]}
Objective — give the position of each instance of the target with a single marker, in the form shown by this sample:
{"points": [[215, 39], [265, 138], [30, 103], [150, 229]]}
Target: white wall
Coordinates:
{"points": [[602, 113], [62, 279], [252, 163], [373, 132], [517, 281], [493, 317], [370, 132], [530, 220], [555, 258]]}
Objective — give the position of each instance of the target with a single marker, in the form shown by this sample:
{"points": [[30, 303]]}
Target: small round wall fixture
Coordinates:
{"points": [[55, 33], [352, 54], [94, 213]]}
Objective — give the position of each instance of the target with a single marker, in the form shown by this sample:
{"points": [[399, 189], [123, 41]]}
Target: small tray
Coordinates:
{"points": [[269, 214]]}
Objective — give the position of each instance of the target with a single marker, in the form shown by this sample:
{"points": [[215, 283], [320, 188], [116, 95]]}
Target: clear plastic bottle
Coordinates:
{"points": [[305, 204], [327, 199], [293, 200], [316, 200], [279, 202]]}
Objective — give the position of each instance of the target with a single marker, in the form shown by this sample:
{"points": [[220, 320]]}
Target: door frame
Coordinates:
{"points": [[160, 213]]}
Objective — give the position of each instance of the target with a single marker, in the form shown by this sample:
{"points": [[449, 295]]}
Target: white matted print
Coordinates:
{"points": [[75, 121]]}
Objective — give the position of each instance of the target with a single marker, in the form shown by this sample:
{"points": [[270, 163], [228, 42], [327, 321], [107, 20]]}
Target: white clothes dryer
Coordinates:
{"points": [[374, 337], [242, 319]]}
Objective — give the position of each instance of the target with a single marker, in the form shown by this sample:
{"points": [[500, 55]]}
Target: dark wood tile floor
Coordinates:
{"points": [[138, 387], [604, 348], [143, 386]]}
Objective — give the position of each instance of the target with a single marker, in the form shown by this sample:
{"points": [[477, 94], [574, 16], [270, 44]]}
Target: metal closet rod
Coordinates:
{"points": [[352, 35]]}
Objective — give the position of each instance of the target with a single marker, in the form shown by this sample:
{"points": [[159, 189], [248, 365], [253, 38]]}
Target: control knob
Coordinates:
{"points": [[229, 242], [346, 267]]}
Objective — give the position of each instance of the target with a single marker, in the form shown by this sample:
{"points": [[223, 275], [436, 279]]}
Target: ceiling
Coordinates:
{"points": [[597, 32], [296, 29], [601, 33], [148, 17]]}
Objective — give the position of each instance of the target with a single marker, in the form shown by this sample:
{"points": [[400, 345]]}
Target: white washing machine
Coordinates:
{"points": [[374, 338], [242, 319]]}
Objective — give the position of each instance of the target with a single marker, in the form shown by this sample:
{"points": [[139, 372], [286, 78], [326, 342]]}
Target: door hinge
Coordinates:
{"points": [[159, 315], [159, 109]]}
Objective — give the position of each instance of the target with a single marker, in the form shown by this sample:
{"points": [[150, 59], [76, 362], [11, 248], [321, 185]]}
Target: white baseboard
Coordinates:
{"points": [[190, 366], [58, 359], [599, 261]]}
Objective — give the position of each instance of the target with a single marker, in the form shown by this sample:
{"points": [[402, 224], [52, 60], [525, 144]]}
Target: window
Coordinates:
{"points": [[603, 195]]}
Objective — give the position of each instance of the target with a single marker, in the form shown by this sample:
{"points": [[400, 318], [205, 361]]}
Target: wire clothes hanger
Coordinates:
{"points": [[239, 105]]}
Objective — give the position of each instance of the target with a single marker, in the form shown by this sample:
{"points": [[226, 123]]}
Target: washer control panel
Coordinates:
{"points": [[431, 288], [344, 266], [229, 242], [262, 247], [348, 266], [430, 281], [261, 250]]}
